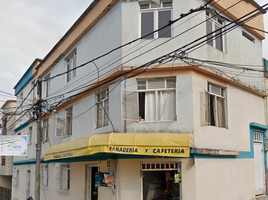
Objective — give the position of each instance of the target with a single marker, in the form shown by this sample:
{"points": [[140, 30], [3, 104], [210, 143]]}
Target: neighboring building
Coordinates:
{"points": [[155, 126], [23, 173], [6, 168]]}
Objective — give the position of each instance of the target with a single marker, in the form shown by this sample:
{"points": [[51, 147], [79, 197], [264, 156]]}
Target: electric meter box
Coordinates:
{"points": [[111, 163]]}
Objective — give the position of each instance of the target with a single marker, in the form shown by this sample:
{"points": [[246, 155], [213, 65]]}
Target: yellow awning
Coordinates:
{"points": [[153, 144]]}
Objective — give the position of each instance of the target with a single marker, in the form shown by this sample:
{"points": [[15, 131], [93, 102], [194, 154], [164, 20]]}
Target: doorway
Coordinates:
{"points": [[161, 181], [259, 163], [91, 189]]}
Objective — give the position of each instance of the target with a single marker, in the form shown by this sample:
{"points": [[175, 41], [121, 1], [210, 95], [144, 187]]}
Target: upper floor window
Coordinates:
{"points": [[215, 23], [47, 85], [34, 89], [45, 130], [64, 123], [70, 66], [215, 106], [155, 16], [103, 109], [4, 126], [154, 100]]}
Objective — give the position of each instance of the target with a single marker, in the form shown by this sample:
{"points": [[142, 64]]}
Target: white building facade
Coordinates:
{"points": [[164, 117]]}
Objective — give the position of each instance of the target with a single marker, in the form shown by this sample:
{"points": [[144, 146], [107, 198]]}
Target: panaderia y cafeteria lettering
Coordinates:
{"points": [[136, 150]]}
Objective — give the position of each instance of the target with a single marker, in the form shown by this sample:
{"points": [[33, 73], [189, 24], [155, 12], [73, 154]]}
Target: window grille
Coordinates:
{"points": [[64, 177], [257, 137], [44, 175], [159, 166]]}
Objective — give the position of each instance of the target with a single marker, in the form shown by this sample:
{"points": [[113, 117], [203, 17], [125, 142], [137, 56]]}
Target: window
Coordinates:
{"points": [[215, 106], [47, 85], [45, 130], [30, 135], [157, 99], [34, 89], [69, 119], [103, 109], [4, 126], [20, 99], [64, 177], [3, 160], [44, 175], [214, 23], [64, 124], [70, 66], [155, 16], [249, 37], [16, 178], [28, 183], [154, 100]]}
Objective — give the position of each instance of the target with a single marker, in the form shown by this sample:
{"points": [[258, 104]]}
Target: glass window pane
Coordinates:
{"points": [[171, 83], [146, 6], [141, 85], [167, 4], [209, 30], [106, 113], [155, 5], [218, 39], [156, 84], [147, 24], [163, 19]]}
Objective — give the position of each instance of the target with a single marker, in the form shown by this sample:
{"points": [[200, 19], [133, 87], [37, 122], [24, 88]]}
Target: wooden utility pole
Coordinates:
{"points": [[38, 144]]}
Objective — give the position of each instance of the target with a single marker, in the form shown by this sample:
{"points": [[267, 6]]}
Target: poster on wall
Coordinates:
{"points": [[13, 145], [104, 179]]}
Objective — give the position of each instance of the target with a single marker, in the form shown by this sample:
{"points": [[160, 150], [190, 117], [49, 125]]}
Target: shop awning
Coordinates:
{"points": [[151, 144]]}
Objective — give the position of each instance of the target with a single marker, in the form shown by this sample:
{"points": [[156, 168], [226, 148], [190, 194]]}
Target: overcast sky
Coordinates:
{"points": [[30, 28]]}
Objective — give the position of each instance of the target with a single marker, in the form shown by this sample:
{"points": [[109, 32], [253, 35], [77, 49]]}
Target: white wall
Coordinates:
{"points": [[243, 108], [223, 179]]}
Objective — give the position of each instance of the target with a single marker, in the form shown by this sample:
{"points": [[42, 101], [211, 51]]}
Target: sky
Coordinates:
{"points": [[30, 28]]}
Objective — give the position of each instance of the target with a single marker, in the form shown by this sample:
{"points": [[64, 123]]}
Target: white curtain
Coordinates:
{"points": [[166, 105], [150, 106]]}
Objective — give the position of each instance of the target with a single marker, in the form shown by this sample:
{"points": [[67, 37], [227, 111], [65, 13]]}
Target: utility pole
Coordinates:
{"points": [[38, 144]]}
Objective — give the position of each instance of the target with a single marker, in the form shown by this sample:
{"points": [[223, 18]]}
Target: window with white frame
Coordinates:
{"points": [[64, 124], [215, 106], [45, 130], [47, 86], [16, 177], [64, 177], [155, 16], [44, 175], [214, 28], [103, 108], [71, 66], [154, 100]]}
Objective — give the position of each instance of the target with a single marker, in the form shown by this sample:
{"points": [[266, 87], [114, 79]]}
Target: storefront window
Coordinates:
{"points": [[161, 181]]}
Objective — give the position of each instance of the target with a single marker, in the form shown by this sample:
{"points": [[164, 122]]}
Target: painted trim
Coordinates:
{"points": [[20, 127], [242, 154], [26, 78]]}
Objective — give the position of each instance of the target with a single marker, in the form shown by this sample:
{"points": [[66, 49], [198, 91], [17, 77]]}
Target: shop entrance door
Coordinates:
{"points": [[259, 163], [161, 181], [91, 190]]}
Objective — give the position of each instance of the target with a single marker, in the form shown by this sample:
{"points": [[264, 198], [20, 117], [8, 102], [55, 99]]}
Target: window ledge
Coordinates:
{"points": [[64, 191], [146, 122]]}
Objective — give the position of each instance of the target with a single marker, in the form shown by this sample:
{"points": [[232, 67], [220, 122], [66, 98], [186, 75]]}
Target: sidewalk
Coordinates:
{"points": [[262, 197]]}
